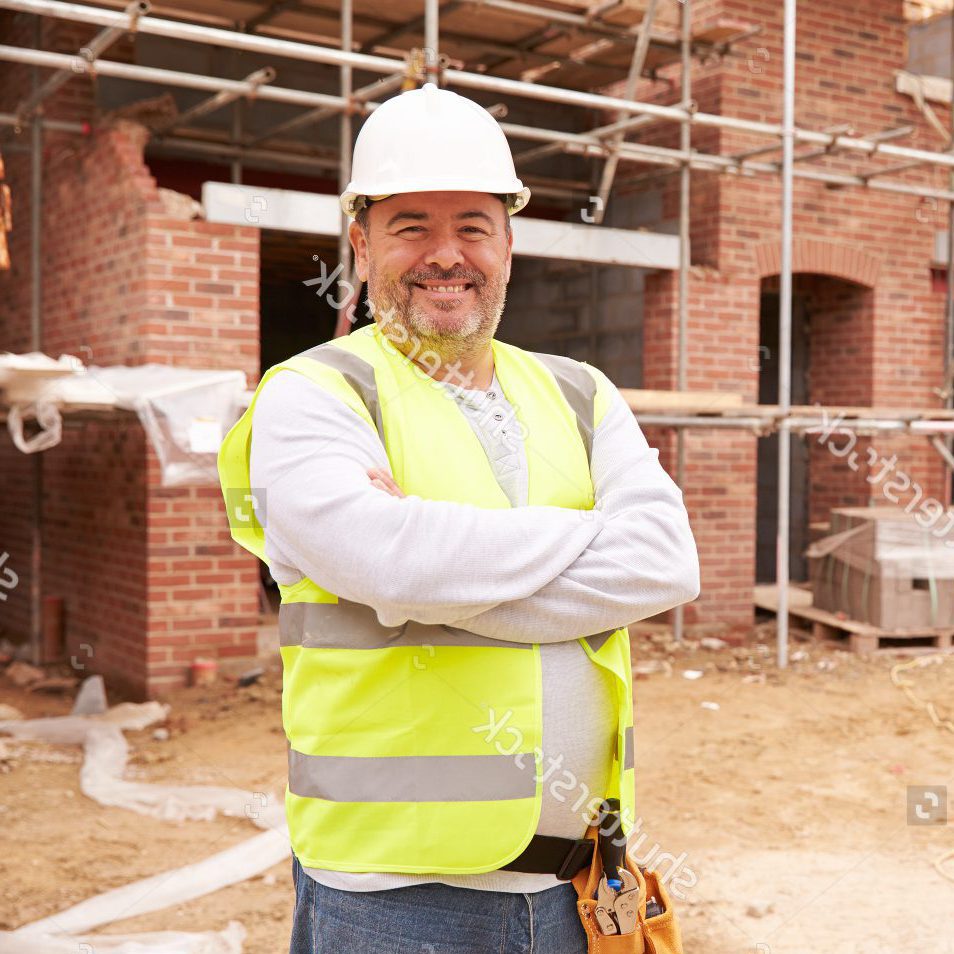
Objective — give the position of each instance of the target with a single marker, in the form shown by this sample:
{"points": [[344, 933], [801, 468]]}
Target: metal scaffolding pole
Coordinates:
{"points": [[580, 144], [585, 23], [236, 136], [798, 423], [313, 117], [584, 145], [785, 331], [570, 97], [685, 145], [411, 26], [635, 72], [150, 74], [600, 132], [378, 64], [193, 32], [216, 102], [36, 344], [840, 129], [344, 167], [237, 125], [883, 136], [947, 384], [99, 44], [572, 142], [263, 157], [432, 69]]}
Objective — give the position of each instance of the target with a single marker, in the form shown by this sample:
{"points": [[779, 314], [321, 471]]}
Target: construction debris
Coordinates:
{"points": [[6, 219], [900, 679], [251, 677], [23, 674], [101, 779], [54, 684], [228, 941], [649, 666], [91, 699]]}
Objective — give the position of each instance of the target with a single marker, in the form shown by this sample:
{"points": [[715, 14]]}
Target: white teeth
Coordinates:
{"points": [[449, 288]]}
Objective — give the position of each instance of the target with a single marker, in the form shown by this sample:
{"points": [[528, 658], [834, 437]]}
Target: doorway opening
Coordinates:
{"points": [[767, 492]]}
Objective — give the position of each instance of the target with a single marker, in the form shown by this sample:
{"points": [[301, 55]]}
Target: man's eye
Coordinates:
{"points": [[412, 228], [474, 228]]}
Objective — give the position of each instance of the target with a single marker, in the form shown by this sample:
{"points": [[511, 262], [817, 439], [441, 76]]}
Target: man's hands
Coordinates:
{"points": [[384, 481]]}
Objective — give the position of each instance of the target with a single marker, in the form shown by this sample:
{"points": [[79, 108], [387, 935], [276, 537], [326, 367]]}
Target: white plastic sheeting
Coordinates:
{"points": [[104, 764], [72, 729], [184, 411], [25, 382], [228, 941], [101, 779], [27, 377], [48, 422], [239, 863]]}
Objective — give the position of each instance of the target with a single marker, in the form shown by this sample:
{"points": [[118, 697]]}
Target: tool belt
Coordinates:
{"points": [[547, 854], [624, 909], [635, 918]]}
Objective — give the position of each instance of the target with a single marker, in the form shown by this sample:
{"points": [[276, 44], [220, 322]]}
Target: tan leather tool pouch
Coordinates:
{"points": [[657, 935]]}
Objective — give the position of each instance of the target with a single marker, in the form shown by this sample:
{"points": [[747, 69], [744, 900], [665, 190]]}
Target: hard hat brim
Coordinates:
{"points": [[353, 201]]}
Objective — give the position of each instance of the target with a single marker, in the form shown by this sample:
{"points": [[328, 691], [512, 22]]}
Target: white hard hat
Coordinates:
{"points": [[431, 140]]}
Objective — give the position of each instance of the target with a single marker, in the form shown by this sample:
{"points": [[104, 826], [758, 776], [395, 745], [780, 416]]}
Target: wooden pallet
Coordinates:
{"points": [[859, 637]]}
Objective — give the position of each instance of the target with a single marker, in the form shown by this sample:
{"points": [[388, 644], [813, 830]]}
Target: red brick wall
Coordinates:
{"points": [[149, 575], [876, 323], [156, 287], [882, 345], [95, 548], [841, 335], [719, 479]]}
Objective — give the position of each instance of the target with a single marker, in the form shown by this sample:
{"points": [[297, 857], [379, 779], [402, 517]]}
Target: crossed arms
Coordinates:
{"points": [[526, 574]]}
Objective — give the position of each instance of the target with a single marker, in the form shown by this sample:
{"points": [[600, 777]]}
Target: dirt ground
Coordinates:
{"points": [[783, 800]]}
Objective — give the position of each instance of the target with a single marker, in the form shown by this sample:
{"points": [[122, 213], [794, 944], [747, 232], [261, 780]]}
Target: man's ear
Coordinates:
{"points": [[359, 243]]}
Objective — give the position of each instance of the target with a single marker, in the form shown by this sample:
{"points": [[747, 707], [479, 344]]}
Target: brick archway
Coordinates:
{"points": [[820, 258]]}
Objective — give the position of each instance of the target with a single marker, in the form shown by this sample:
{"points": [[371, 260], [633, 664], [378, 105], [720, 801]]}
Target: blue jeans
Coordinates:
{"points": [[433, 919]]}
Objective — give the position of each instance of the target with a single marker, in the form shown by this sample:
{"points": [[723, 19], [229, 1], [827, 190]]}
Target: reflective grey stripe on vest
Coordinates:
{"points": [[346, 625], [579, 389], [412, 778], [357, 372], [598, 640], [629, 748]]}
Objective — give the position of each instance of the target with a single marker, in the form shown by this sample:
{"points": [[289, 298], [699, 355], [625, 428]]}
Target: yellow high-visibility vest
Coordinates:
{"points": [[388, 766]]}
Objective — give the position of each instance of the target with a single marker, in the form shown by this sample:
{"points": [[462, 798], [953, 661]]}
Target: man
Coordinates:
{"points": [[460, 530]]}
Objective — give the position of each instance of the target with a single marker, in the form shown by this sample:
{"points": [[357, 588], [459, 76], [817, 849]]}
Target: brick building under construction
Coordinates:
{"points": [[148, 227]]}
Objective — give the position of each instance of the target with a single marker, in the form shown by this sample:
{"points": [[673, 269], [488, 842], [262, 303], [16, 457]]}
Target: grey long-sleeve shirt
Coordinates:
{"points": [[531, 574]]}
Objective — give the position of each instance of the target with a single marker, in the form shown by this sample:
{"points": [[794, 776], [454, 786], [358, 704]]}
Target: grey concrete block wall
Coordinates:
{"points": [[590, 312], [929, 47]]}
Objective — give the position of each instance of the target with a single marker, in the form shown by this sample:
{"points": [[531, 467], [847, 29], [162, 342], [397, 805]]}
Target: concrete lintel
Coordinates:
{"points": [[318, 214]]}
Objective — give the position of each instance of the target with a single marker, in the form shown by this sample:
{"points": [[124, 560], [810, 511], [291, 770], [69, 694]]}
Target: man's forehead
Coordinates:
{"points": [[430, 206], [415, 214], [451, 198]]}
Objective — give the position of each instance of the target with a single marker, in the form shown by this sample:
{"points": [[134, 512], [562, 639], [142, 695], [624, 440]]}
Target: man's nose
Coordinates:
{"points": [[445, 252]]}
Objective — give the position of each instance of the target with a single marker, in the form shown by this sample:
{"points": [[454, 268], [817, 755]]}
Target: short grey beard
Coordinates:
{"points": [[391, 300]]}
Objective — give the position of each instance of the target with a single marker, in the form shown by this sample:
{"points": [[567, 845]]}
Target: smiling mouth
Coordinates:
{"points": [[447, 288]]}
